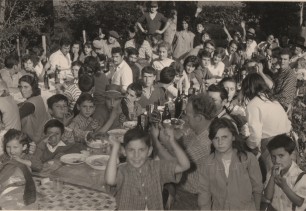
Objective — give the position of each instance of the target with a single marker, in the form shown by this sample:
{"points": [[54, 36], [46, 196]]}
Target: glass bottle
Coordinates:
{"points": [[191, 90], [178, 105], [46, 81], [166, 114], [156, 114], [56, 75], [139, 123]]}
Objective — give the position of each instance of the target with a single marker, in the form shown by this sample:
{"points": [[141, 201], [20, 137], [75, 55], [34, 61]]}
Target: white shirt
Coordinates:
{"points": [[123, 76], [216, 70], [265, 119], [280, 201], [52, 149], [183, 84], [63, 62]]}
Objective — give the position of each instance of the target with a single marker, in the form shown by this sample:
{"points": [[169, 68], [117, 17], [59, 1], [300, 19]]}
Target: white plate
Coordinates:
{"points": [[98, 162], [73, 159]]}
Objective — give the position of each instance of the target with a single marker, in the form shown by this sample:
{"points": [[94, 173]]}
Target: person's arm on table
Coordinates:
{"points": [[114, 113]]}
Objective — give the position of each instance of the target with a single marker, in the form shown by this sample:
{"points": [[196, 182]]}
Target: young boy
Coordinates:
{"points": [[129, 105], [11, 73], [52, 146], [285, 188], [58, 109], [139, 182]]}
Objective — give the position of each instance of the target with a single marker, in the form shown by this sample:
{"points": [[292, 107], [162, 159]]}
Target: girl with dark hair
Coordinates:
{"points": [[30, 64], [33, 113], [183, 40], [87, 52], [75, 51], [231, 177], [266, 117]]}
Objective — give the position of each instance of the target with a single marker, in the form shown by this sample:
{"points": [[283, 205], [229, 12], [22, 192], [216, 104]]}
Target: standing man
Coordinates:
{"points": [[61, 60], [154, 21], [122, 75]]}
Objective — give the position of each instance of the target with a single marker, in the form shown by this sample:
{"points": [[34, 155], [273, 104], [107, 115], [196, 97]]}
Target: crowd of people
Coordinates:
{"points": [[236, 151]]}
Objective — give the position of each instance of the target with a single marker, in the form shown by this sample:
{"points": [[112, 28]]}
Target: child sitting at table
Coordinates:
{"points": [[52, 146], [58, 109], [129, 105], [83, 123], [16, 146], [139, 182]]}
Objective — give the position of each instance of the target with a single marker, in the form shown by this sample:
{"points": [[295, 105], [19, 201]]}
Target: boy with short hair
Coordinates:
{"points": [[129, 105], [58, 109], [139, 182], [285, 187], [53, 146]]}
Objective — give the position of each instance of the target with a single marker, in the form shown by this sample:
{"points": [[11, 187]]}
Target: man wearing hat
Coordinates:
{"points": [[153, 20], [106, 46], [108, 114], [9, 109]]}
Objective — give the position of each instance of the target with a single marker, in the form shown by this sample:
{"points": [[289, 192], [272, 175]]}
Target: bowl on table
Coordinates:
{"points": [[97, 162], [73, 158], [117, 134]]}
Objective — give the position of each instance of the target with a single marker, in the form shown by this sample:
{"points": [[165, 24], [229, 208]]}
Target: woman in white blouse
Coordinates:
{"points": [[266, 117]]}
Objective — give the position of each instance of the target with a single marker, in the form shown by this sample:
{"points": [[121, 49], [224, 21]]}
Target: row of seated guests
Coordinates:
{"points": [[211, 169]]}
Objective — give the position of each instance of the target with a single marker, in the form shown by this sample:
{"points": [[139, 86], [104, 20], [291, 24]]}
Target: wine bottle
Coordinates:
{"points": [[56, 75], [46, 81], [178, 105], [166, 114], [139, 123], [156, 114]]}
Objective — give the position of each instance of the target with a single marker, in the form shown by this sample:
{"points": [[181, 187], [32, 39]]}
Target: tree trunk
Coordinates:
{"points": [[2, 13]]}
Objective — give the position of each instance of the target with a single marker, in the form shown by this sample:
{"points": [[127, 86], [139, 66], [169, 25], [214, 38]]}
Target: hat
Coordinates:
{"points": [[112, 91], [97, 44], [299, 42], [251, 31], [153, 4], [114, 34]]}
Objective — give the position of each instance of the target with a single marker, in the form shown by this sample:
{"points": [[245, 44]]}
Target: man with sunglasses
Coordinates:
{"points": [[153, 20]]}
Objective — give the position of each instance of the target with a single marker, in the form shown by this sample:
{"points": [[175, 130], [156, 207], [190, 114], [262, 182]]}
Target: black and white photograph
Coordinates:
{"points": [[152, 105]]}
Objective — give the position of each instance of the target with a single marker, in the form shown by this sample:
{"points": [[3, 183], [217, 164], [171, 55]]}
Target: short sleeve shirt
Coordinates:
{"points": [[153, 24], [280, 201], [138, 188]]}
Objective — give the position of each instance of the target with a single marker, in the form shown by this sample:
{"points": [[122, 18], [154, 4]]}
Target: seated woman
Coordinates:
{"points": [[52, 146], [31, 66], [87, 52], [217, 66], [191, 63], [33, 113]]}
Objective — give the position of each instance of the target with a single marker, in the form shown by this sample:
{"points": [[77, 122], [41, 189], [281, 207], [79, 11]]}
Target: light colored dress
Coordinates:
{"points": [[182, 44], [170, 31]]}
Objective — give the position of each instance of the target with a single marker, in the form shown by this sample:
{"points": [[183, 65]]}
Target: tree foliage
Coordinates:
{"points": [[23, 19]]}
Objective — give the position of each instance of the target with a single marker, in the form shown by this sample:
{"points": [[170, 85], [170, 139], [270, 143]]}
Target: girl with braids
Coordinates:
{"points": [[231, 177]]}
